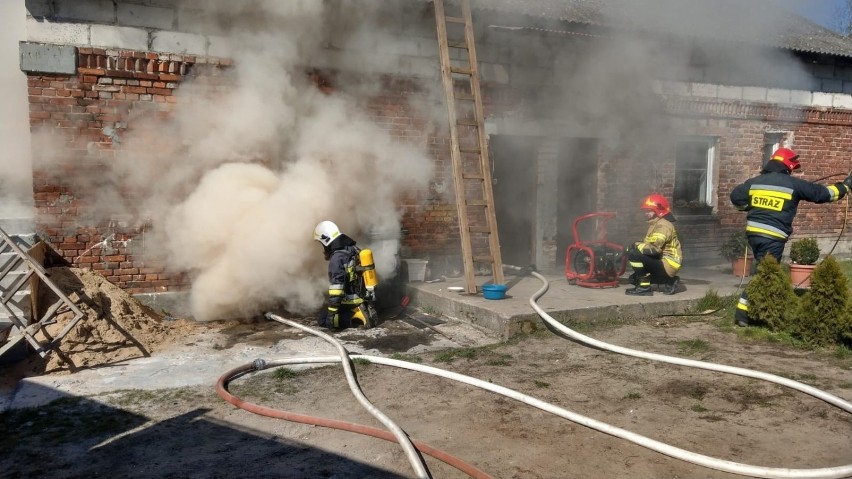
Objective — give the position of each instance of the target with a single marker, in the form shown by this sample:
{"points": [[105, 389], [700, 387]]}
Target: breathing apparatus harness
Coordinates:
{"points": [[361, 274]]}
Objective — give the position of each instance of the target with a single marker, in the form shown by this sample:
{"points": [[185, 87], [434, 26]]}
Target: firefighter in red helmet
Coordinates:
{"points": [[657, 258], [771, 200]]}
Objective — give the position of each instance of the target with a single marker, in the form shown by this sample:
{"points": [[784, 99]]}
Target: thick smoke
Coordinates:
{"points": [[15, 166], [235, 181]]}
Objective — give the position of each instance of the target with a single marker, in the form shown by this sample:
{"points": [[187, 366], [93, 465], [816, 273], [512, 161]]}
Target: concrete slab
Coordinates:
{"points": [[512, 315], [207, 356]]}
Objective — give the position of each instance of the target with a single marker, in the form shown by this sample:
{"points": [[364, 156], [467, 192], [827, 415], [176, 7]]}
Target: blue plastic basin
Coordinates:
{"points": [[494, 291]]}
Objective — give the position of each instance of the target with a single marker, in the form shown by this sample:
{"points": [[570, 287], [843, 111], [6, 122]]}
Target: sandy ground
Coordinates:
{"points": [[192, 432]]}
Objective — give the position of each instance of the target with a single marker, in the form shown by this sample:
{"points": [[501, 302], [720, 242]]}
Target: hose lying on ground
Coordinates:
{"points": [[259, 365], [706, 461], [401, 437], [678, 453]]}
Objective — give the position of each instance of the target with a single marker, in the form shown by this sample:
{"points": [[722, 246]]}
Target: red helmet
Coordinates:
{"points": [[788, 157], [656, 203]]}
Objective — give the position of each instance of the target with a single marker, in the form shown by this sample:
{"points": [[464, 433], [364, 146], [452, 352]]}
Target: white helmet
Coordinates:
{"points": [[325, 232]]}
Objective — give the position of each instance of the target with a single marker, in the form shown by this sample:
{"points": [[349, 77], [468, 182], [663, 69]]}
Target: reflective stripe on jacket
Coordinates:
{"points": [[772, 198], [661, 239]]}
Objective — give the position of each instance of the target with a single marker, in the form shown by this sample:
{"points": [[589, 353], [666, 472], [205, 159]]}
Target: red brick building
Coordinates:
{"points": [[589, 108]]}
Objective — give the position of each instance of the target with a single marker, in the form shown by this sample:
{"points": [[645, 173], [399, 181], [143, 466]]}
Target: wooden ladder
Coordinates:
{"points": [[22, 327], [469, 149]]}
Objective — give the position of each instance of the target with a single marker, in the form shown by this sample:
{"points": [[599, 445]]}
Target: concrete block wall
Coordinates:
{"points": [[159, 26], [780, 96]]}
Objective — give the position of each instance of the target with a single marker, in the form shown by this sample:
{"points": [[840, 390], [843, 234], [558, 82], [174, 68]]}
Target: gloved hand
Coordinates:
{"points": [[848, 182]]}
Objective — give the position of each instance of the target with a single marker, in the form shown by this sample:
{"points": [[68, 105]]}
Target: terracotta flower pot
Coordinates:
{"points": [[742, 267], [800, 274]]}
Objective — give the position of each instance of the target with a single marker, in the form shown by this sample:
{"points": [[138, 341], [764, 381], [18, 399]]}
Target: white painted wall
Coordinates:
{"points": [[16, 187]]}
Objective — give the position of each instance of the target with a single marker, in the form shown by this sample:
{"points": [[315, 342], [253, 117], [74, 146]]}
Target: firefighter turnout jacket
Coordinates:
{"points": [[343, 277], [772, 198], [661, 241]]}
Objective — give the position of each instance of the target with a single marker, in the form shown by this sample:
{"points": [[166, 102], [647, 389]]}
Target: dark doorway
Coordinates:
{"points": [[576, 191], [514, 166]]}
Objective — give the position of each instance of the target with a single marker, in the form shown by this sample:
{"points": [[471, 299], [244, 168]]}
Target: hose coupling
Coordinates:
{"points": [[259, 364]]}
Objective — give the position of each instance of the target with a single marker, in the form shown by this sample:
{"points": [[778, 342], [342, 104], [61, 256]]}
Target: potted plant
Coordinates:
{"points": [[804, 254], [734, 250]]}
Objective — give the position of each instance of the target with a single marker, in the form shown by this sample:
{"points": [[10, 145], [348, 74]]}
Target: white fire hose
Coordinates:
{"points": [[837, 472]]}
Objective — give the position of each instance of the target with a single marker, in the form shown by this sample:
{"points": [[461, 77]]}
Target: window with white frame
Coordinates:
{"points": [[693, 186], [772, 140]]}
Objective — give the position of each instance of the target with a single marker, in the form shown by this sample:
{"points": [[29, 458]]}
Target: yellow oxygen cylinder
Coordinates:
{"points": [[370, 279]]}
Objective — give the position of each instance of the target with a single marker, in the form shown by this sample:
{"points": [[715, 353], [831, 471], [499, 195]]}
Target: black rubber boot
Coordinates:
{"points": [[640, 291], [741, 318], [671, 287]]}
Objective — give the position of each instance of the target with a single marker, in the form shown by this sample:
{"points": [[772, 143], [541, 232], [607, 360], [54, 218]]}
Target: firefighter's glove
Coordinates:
{"points": [[848, 182]]}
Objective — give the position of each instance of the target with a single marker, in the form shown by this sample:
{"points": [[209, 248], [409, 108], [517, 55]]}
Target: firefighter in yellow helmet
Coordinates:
{"points": [[657, 258], [349, 299], [771, 200]]}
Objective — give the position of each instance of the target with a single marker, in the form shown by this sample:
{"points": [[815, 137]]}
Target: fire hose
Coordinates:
{"points": [[672, 451]]}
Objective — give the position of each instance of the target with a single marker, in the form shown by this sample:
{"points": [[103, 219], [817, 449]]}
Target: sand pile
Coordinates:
{"points": [[115, 327]]}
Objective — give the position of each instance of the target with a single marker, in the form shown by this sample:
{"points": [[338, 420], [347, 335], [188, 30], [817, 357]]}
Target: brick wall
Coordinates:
{"points": [[72, 112], [111, 84]]}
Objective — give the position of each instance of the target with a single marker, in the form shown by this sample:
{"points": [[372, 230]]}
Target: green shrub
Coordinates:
{"points": [[770, 295], [824, 314], [804, 251], [735, 246]]}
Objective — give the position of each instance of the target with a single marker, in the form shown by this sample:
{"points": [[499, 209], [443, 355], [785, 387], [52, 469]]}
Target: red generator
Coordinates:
{"points": [[597, 263]]}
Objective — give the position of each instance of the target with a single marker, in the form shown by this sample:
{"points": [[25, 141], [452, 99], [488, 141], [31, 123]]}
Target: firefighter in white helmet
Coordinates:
{"points": [[350, 297]]}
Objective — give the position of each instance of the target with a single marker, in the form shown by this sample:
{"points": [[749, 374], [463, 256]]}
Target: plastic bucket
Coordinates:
{"points": [[416, 269], [494, 291]]}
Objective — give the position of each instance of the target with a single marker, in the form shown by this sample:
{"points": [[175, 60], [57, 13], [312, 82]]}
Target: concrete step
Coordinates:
{"points": [[11, 278], [18, 226], [19, 304], [19, 351]]}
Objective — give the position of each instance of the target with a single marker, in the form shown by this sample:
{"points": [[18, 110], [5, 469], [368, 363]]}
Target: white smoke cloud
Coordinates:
{"points": [[15, 164], [237, 179]]}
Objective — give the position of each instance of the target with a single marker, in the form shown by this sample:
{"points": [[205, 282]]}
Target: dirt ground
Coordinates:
{"points": [[192, 433]]}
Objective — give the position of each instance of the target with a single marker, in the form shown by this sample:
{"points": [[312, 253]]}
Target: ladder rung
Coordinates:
{"points": [[483, 259], [461, 70], [467, 122], [459, 44], [469, 149], [464, 96], [473, 176], [476, 203], [455, 20], [479, 229]]}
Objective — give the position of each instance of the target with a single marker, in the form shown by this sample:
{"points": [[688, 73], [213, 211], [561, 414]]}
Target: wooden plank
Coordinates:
{"points": [[462, 70], [483, 259]]}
